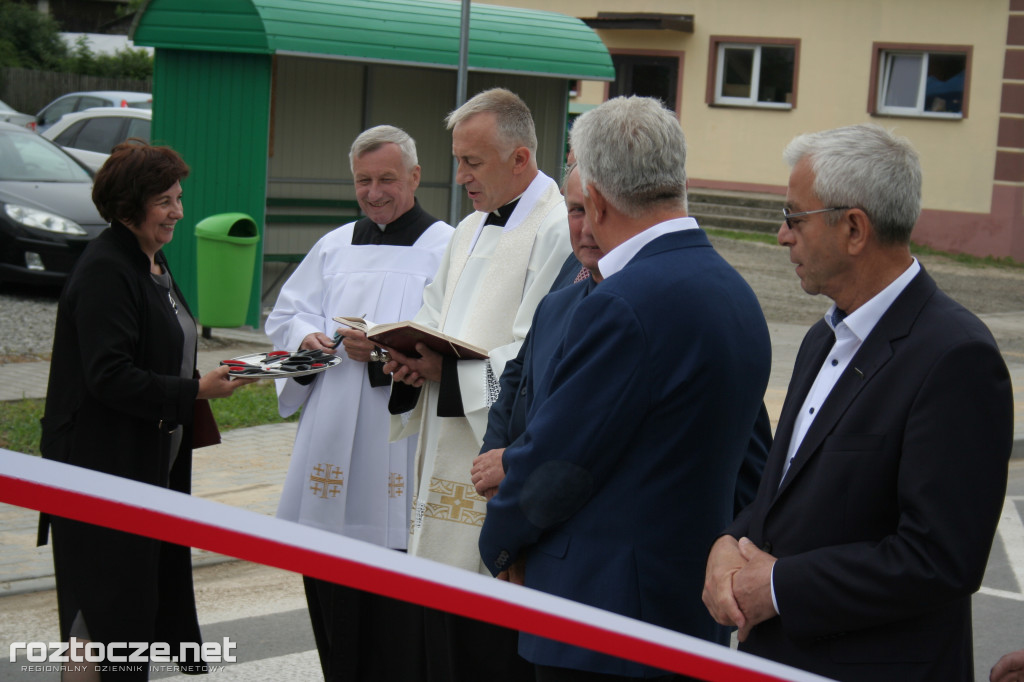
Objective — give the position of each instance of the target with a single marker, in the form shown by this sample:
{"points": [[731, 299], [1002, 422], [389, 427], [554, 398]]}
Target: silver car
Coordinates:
{"points": [[9, 115], [90, 135], [77, 101]]}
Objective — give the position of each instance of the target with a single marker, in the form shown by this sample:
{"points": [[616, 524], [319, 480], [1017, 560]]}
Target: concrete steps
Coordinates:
{"points": [[746, 211]]}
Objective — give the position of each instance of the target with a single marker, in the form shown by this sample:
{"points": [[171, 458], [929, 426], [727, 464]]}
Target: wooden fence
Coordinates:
{"points": [[28, 91]]}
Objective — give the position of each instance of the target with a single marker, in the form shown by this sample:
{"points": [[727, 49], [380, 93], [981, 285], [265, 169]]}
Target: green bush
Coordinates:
{"points": [[28, 38], [127, 63]]}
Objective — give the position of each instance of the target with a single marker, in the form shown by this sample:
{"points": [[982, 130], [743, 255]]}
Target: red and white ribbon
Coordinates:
{"points": [[115, 502]]}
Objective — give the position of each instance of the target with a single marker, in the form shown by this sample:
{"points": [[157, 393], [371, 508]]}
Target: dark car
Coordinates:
{"points": [[46, 212]]}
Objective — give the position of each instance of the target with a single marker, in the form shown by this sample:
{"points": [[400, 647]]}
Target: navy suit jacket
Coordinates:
{"points": [[884, 522], [506, 420], [636, 434]]}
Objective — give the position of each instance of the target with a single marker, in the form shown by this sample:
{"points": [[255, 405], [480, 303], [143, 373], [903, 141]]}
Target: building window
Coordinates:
{"points": [[647, 75], [920, 82], [753, 72]]}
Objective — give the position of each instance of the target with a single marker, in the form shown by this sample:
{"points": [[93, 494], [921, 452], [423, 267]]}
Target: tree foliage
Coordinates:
{"points": [[132, 7], [30, 39], [125, 63]]}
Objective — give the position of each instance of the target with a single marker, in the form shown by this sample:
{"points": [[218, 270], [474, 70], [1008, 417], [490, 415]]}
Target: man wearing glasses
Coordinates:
{"points": [[884, 486]]}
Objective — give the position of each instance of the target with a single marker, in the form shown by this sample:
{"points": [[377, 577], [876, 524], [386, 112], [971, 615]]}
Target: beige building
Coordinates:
{"points": [[746, 76]]}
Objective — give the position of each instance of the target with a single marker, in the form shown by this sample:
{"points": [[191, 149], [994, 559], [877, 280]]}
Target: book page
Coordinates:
{"points": [[356, 323]]}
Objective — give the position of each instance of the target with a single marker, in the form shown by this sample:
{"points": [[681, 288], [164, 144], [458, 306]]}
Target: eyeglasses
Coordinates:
{"points": [[789, 216]]}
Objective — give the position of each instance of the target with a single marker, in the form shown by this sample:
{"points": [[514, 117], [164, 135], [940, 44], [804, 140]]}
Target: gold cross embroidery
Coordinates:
{"points": [[457, 502], [327, 480], [396, 484]]}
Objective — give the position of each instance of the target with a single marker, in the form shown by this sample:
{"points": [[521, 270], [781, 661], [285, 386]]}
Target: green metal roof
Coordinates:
{"points": [[415, 32]]}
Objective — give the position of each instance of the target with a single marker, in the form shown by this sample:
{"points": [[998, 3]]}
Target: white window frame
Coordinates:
{"points": [[885, 65], [755, 77]]}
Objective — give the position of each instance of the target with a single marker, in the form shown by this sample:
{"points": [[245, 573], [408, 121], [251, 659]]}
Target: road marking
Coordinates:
{"points": [[1002, 594], [1011, 532]]}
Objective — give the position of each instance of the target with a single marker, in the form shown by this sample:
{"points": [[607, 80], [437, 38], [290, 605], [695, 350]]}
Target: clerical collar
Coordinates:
{"points": [[403, 221], [500, 216], [402, 231]]}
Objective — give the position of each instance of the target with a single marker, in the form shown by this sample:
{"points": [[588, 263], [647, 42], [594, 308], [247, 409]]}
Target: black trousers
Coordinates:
{"points": [[465, 650], [364, 637]]}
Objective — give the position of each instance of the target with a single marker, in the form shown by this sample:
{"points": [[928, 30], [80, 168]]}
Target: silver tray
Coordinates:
{"points": [[269, 368]]}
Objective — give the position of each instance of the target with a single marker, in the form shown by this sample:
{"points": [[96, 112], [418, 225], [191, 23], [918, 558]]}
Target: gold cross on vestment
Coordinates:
{"points": [[329, 484]]}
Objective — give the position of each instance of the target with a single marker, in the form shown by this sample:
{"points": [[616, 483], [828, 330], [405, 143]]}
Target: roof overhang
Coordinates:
{"points": [[409, 32], [641, 21]]}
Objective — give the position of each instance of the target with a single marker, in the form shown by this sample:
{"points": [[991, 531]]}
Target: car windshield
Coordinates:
{"points": [[29, 158], [4, 106], [141, 105]]}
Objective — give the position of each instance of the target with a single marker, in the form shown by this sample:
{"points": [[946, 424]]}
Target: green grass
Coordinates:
{"points": [[743, 235], [19, 425], [965, 259], [251, 405]]}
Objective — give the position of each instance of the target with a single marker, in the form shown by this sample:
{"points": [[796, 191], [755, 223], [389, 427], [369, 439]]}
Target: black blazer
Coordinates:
{"points": [[885, 520], [117, 351], [113, 397]]}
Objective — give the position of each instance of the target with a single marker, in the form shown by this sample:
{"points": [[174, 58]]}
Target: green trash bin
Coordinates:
{"points": [[225, 260]]}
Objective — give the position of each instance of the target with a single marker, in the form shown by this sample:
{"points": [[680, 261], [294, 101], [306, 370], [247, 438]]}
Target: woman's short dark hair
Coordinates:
{"points": [[135, 172]]}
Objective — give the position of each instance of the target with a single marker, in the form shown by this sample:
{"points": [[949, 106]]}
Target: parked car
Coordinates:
{"points": [[46, 212], [9, 115], [77, 101], [90, 135]]}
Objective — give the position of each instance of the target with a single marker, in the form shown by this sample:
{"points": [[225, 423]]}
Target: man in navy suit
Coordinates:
{"points": [[506, 420], [883, 489], [637, 430]]}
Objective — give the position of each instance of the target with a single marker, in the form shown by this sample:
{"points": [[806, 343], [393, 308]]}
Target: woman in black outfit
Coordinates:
{"points": [[122, 393]]}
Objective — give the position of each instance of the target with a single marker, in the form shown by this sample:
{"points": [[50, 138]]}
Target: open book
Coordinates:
{"points": [[403, 337]]}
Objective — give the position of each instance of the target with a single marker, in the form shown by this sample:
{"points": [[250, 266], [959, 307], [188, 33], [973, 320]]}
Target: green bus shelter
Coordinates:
{"points": [[264, 97]]}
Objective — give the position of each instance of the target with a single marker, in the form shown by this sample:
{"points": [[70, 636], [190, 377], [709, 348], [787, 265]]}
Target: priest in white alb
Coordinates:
{"points": [[501, 261], [345, 477]]}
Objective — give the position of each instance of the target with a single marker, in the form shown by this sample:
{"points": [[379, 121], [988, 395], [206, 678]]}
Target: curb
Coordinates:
{"points": [[42, 583]]}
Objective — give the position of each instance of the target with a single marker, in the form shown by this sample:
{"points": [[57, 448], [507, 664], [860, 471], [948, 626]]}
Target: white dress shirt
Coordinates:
{"points": [[617, 258]]}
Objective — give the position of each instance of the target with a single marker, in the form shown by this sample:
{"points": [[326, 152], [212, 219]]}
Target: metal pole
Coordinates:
{"points": [[455, 206]]}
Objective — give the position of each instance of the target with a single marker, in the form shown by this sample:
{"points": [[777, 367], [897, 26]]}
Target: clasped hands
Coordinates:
{"points": [[487, 472], [737, 584], [414, 371]]}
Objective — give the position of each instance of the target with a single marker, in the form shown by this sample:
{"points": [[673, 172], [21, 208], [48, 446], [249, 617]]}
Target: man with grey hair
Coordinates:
{"points": [[637, 431], [502, 260], [345, 477], [883, 489]]}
